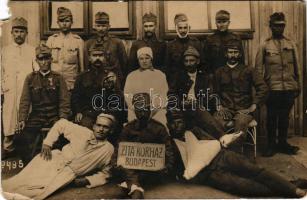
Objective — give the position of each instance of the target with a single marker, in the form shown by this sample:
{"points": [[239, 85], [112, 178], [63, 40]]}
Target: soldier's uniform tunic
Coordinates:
{"points": [[67, 54], [115, 50], [174, 54], [48, 96], [214, 50]]}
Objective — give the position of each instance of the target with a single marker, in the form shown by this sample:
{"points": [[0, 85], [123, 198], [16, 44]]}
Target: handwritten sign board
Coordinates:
{"points": [[143, 156]]}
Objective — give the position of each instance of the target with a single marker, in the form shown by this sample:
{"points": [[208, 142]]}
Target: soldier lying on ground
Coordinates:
{"points": [[87, 151], [209, 162]]}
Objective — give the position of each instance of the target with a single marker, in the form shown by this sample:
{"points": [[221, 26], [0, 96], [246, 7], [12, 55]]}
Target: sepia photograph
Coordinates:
{"points": [[119, 99]]}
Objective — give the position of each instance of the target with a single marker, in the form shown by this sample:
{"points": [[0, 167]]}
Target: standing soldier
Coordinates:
{"points": [[150, 40], [114, 48], [179, 45], [67, 49], [18, 60], [214, 46], [278, 62], [46, 93]]}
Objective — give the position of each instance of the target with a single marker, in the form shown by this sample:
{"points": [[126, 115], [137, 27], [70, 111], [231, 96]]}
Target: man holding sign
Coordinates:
{"points": [[144, 145], [202, 159]]}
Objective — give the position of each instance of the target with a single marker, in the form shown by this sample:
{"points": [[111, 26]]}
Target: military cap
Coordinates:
{"points": [[19, 22], [222, 15], [64, 13], [277, 18], [141, 100], [174, 114], [149, 17], [97, 48], [180, 17], [191, 51], [42, 50], [102, 18], [233, 44]]}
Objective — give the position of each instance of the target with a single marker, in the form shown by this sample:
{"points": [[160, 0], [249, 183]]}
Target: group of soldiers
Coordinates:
{"points": [[159, 94]]}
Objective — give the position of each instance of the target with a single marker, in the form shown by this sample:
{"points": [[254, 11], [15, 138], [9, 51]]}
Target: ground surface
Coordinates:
{"points": [[290, 167]]}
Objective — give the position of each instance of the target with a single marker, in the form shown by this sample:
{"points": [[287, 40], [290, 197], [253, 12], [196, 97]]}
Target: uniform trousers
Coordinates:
{"points": [[279, 105], [233, 173]]}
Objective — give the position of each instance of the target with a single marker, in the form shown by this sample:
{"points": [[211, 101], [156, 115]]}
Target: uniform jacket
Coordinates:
{"points": [[17, 61], [87, 86], [48, 97], [214, 49], [277, 60], [158, 47], [83, 155], [174, 54], [181, 84], [67, 55], [116, 51], [155, 132], [235, 87]]}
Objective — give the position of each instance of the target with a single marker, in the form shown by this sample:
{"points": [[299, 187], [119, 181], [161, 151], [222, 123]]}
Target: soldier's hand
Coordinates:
{"points": [[252, 108], [81, 182], [46, 152], [224, 113], [227, 139], [78, 117], [20, 126]]}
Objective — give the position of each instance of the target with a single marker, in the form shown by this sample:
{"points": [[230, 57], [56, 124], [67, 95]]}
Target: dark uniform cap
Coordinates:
{"points": [[149, 17], [180, 17], [141, 100], [19, 22], [222, 15], [42, 50], [102, 18], [64, 13], [97, 48], [191, 51], [277, 18], [233, 44]]}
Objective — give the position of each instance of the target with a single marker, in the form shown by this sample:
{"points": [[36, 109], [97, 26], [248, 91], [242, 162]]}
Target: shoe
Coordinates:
{"points": [[136, 194], [300, 183], [288, 149], [300, 193], [269, 152]]}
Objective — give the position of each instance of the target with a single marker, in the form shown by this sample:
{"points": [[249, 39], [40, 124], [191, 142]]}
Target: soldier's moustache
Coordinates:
{"points": [[97, 62]]}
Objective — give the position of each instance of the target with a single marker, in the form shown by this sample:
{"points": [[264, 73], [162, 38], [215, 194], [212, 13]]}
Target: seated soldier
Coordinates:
{"points": [[143, 130], [152, 80], [188, 91], [203, 159], [234, 85], [46, 92], [88, 151], [94, 88]]}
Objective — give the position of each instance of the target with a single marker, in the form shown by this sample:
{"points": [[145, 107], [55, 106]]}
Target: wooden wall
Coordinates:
{"points": [[261, 10]]}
